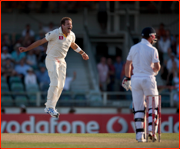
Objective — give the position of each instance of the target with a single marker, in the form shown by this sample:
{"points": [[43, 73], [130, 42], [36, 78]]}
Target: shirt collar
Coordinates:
{"points": [[60, 30], [145, 41]]}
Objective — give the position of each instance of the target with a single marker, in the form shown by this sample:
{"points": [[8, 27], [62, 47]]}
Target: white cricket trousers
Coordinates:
{"points": [[141, 87], [57, 73]]}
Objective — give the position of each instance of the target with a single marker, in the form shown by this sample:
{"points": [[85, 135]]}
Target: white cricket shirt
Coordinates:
{"points": [[143, 56], [58, 44]]}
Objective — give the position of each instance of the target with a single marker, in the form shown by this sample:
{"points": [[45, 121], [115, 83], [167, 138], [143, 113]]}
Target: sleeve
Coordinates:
{"points": [[129, 57], [155, 56], [50, 36], [73, 38]]}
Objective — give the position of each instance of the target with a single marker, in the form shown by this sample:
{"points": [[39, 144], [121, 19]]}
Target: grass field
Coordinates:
{"points": [[119, 140]]}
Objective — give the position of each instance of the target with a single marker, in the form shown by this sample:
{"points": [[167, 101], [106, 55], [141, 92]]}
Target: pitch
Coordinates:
{"points": [[119, 140]]}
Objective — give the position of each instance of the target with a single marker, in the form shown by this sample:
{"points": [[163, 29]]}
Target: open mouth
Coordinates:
{"points": [[69, 29]]}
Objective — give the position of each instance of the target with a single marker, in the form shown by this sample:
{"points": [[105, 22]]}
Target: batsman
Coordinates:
{"points": [[146, 65]]}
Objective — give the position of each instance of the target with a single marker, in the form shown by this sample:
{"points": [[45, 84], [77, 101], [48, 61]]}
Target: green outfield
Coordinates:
{"points": [[119, 140]]}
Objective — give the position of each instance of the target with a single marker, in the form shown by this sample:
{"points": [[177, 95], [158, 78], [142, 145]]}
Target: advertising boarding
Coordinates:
{"points": [[79, 123]]}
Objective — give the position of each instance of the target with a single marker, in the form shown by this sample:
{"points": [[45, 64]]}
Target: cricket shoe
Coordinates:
{"points": [[52, 112], [151, 136], [141, 140]]}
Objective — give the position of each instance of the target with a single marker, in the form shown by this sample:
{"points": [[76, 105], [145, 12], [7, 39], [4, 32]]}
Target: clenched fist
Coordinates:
{"points": [[22, 49], [85, 56]]}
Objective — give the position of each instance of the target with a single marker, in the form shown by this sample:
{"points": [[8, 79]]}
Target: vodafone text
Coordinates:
{"points": [[113, 124]]}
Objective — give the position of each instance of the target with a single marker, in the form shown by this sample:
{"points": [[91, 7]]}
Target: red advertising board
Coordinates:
{"points": [[79, 123]]}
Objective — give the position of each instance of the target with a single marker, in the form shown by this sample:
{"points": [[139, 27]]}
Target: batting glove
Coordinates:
{"points": [[126, 83]]}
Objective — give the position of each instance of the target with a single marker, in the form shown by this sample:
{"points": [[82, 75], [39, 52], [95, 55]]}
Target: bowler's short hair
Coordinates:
{"points": [[63, 20]]}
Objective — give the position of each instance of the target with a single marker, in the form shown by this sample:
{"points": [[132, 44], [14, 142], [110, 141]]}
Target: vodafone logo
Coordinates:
{"points": [[121, 121], [17, 123]]}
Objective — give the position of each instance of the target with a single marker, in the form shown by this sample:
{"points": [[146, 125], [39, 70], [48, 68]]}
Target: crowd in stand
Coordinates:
{"points": [[111, 75], [168, 47], [29, 66]]}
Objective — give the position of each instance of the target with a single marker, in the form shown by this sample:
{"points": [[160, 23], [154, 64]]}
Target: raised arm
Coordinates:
{"points": [[77, 49], [33, 45]]}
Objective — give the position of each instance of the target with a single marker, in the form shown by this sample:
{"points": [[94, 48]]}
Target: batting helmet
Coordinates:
{"points": [[146, 32], [149, 31]]}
